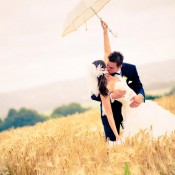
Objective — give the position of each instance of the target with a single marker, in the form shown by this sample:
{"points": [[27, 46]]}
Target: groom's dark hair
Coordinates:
{"points": [[116, 57]]}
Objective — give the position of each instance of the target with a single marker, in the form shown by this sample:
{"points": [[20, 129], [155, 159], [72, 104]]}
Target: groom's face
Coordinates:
{"points": [[112, 67]]}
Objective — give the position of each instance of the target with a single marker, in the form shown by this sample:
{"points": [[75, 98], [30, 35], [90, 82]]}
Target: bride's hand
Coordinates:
{"points": [[118, 139]]}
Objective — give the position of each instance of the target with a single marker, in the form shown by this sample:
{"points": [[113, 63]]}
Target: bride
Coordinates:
{"points": [[147, 116]]}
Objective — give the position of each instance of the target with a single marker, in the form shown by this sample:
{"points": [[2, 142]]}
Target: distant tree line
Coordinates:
{"points": [[152, 97], [28, 117], [69, 109], [20, 118]]}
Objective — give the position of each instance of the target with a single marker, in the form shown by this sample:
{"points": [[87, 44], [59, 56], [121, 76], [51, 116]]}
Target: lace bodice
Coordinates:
{"points": [[124, 100], [129, 92]]}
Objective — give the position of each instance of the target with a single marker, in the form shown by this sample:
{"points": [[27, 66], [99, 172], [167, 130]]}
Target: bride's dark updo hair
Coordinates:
{"points": [[102, 81]]}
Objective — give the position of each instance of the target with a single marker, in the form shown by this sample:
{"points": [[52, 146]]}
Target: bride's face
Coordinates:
{"points": [[107, 73], [106, 70]]}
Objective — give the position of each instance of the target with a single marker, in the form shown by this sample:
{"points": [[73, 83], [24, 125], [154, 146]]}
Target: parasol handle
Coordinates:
{"points": [[114, 34]]}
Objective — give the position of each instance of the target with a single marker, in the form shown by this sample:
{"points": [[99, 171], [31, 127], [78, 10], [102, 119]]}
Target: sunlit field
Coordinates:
{"points": [[75, 145]]}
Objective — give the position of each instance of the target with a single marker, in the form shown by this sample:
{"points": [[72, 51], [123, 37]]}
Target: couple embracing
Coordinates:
{"points": [[118, 87]]}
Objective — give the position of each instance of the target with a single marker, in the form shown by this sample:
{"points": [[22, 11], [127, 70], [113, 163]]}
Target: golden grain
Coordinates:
{"points": [[75, 146]]}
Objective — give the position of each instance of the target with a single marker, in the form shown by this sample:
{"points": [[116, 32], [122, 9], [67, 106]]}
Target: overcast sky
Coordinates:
{"points": [[33, 53]]}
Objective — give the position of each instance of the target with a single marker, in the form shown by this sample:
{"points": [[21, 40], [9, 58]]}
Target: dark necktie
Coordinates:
{"points": [[113, 74]]}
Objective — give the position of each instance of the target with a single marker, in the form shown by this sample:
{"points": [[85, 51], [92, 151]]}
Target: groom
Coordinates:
{"points": [[116, 67]]}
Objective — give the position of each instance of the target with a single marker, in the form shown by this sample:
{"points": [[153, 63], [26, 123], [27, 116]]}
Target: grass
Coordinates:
{"points": [[75, 146]]}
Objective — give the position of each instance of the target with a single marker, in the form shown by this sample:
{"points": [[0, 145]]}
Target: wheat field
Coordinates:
{"points": [[75, 146]]}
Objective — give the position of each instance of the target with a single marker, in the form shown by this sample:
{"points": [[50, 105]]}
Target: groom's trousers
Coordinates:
{"points": [[116, 109]]}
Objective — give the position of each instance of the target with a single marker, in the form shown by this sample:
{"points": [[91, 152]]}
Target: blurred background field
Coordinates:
{"points": [[75, 145]]}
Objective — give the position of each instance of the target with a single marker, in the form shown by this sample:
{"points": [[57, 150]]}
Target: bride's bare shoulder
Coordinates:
{"points": [[111, 84]]}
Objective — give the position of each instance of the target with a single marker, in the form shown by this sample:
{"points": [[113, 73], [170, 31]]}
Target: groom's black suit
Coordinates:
{"points": [[129, 71]]}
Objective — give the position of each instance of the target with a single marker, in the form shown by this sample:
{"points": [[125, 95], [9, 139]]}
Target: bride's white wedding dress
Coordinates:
{"points": [[148, 115]]}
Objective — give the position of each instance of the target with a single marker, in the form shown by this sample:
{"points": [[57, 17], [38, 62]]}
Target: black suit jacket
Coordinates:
{"points": [[129, 71]]}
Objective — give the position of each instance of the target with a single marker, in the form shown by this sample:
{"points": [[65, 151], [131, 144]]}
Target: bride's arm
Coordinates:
{"points": [[108, 111], [107, 47]]}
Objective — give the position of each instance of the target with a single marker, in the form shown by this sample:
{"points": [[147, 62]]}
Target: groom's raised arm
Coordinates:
{"points": [[107, 46], [107, 51]]}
